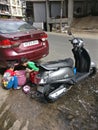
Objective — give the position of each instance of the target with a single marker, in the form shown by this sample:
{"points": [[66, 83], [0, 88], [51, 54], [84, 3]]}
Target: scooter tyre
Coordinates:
{"points": [[93, 71]]}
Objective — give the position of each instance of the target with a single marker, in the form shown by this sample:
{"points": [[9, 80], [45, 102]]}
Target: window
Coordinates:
{"points": [[14, 26]]}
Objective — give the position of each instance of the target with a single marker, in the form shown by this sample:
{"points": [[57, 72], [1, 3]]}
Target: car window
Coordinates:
{"points": [[25, 26], [14, 26]]}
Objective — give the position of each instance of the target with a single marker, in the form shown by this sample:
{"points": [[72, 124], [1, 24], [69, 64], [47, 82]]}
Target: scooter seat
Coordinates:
{"points": [[54, 65]]}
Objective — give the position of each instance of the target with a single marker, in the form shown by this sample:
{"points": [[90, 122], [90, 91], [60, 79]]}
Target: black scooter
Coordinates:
{"points": [[55, 78]]}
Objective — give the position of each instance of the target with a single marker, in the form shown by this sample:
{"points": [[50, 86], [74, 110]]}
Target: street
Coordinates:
{"points": [[75, 110], [60, 47]]}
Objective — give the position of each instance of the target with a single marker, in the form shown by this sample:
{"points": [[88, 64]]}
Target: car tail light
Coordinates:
{"points": [[7, 43], [44, 37]]}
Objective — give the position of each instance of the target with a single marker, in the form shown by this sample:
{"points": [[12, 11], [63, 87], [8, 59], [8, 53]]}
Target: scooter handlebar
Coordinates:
{"points": [[77, 42]]}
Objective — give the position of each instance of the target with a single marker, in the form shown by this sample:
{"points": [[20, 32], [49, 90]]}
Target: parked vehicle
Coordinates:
{"points": [[55, 78], [19, 39]]}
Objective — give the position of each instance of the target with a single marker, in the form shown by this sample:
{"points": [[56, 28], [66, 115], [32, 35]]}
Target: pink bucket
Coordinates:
{"points": [[21, 75]]}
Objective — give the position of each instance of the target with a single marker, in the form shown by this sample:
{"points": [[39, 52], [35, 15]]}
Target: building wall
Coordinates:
{"points": [[16, 8], [85, 7], [55, 9], [4, 9], [10, 8], [39, 12]]}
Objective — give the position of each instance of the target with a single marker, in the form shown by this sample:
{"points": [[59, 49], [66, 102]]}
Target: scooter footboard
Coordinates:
{"points": [[80, 76]]}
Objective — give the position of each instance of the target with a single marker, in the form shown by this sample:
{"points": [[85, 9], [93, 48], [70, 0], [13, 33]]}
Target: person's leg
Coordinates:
{"points": [[10, 84], [15, 83]]}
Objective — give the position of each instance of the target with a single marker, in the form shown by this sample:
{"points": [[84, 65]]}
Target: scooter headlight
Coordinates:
{"points": [[78, 42]]}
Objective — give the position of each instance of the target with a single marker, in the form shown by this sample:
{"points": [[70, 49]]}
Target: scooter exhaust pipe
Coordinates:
{"points": [[58, 92]]}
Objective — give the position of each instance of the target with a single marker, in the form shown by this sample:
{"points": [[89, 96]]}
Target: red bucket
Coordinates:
{"points": [[33, 77], [21, 75]]}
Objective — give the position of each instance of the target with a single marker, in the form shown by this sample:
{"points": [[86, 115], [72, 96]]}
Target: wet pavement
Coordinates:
{"points": [[77, 110]]}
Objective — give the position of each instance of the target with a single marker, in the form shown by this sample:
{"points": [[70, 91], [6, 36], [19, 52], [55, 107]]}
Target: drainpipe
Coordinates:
{"points": [[61, 13], [47, 15], [70, 12]]}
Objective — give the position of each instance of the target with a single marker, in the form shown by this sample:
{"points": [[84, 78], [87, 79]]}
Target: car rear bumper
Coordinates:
{"points": [[11, 55]]}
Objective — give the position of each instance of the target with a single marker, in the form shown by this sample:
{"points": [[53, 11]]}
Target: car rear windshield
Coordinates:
{"points": [[14, 26]]}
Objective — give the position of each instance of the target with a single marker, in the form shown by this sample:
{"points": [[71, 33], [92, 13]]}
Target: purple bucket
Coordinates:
{"points": [[26, 89], [21, 75]]}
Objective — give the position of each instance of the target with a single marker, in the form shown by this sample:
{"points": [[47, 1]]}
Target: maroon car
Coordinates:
{"points": [[19, 39]]}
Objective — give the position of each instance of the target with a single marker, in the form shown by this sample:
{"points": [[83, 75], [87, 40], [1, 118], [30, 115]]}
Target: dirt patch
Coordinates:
{"points": [[78, 109], [86, 23]]}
